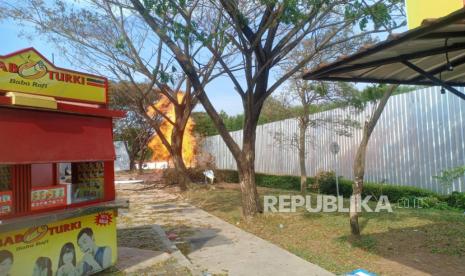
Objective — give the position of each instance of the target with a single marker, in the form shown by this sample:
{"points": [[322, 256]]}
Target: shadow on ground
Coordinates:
{"points": [[189, 239], [141, 237], [422, 248]]}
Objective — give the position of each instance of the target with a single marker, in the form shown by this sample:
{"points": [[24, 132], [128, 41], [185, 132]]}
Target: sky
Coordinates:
{"points": [[220, 91]]}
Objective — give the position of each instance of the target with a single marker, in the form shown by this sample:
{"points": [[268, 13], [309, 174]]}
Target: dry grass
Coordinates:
{"points": [[405, 242]]}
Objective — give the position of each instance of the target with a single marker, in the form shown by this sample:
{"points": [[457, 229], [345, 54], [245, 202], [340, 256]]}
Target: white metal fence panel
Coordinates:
{"points": [[419, 134]]}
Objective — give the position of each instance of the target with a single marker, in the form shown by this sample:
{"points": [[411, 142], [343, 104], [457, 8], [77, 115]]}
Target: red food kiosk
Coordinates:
{"points": [[57, 191]]}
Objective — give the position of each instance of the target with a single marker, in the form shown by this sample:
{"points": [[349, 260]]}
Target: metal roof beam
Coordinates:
{"points": [[443, 35], [442, 68], [387, 81], [400, 58], [434, 79]]}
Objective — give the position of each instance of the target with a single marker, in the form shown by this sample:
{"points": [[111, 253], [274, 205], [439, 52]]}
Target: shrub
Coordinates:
{"points": [[429, 202], [326, 182], [395, 193], [448, 177], [286, 182], [228, 176], [456, 200], [196, 174]]}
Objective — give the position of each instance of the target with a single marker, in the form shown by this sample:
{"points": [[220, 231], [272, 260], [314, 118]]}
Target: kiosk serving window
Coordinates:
{"points": [[85, 181]]}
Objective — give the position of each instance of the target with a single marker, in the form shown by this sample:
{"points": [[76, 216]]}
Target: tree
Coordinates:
{"points": [[310, 95], [378, 96], [274, 109], [108, 39], [261, 34], [205, 127], [133, 129]]}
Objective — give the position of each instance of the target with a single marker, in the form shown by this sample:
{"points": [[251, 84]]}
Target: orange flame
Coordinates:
{"points": [[160, 153]]}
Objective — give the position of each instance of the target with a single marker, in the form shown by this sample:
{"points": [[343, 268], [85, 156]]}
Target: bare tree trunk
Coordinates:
{"points": [[357, 186], [246, 169], [132, 164], [178, 161], [359, 162], [141, 163], [246, 163], [132, 158], [143, 153], [302, 155], [245, 157], [181, 170]]}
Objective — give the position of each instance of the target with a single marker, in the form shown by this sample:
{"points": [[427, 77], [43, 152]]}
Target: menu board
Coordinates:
{"points": [[5, 177], [6, 202], [47, 197], [88, 181]]}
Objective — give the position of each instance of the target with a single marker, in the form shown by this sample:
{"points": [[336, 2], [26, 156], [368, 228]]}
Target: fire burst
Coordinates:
{"points": [[160, 153]]}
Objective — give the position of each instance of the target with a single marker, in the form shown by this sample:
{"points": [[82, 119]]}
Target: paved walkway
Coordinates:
{"points": [[211, 244]]}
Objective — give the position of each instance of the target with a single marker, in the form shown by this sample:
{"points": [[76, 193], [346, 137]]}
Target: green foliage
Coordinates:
{"points": [[203, 124], [285, 182], [448, 177], [121, 44], [393, 192], [165, 77], [327, 185], [426, 198], [429, 202], [324, 180], [370, 94], [273, 110], [205, 127], [228, 176], [379, 13], [457, 200]]}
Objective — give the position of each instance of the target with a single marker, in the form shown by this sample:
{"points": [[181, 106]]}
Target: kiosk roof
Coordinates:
{"points": [[432, 54]]}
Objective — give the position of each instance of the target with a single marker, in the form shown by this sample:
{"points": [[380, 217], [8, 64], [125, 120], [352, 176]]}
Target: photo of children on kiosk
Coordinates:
{"points": [[82, 251]]}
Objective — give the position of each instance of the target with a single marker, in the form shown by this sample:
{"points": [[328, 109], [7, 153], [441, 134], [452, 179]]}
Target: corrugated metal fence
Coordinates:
{"points": [[419, 134]]}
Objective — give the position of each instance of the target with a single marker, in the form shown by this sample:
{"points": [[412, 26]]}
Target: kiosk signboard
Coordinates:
{"points": [[419, 10], [78, 246], [27, 71]]}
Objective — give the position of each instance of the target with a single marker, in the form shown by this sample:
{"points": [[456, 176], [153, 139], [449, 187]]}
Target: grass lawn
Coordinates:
{"points": [[405, 242]]}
